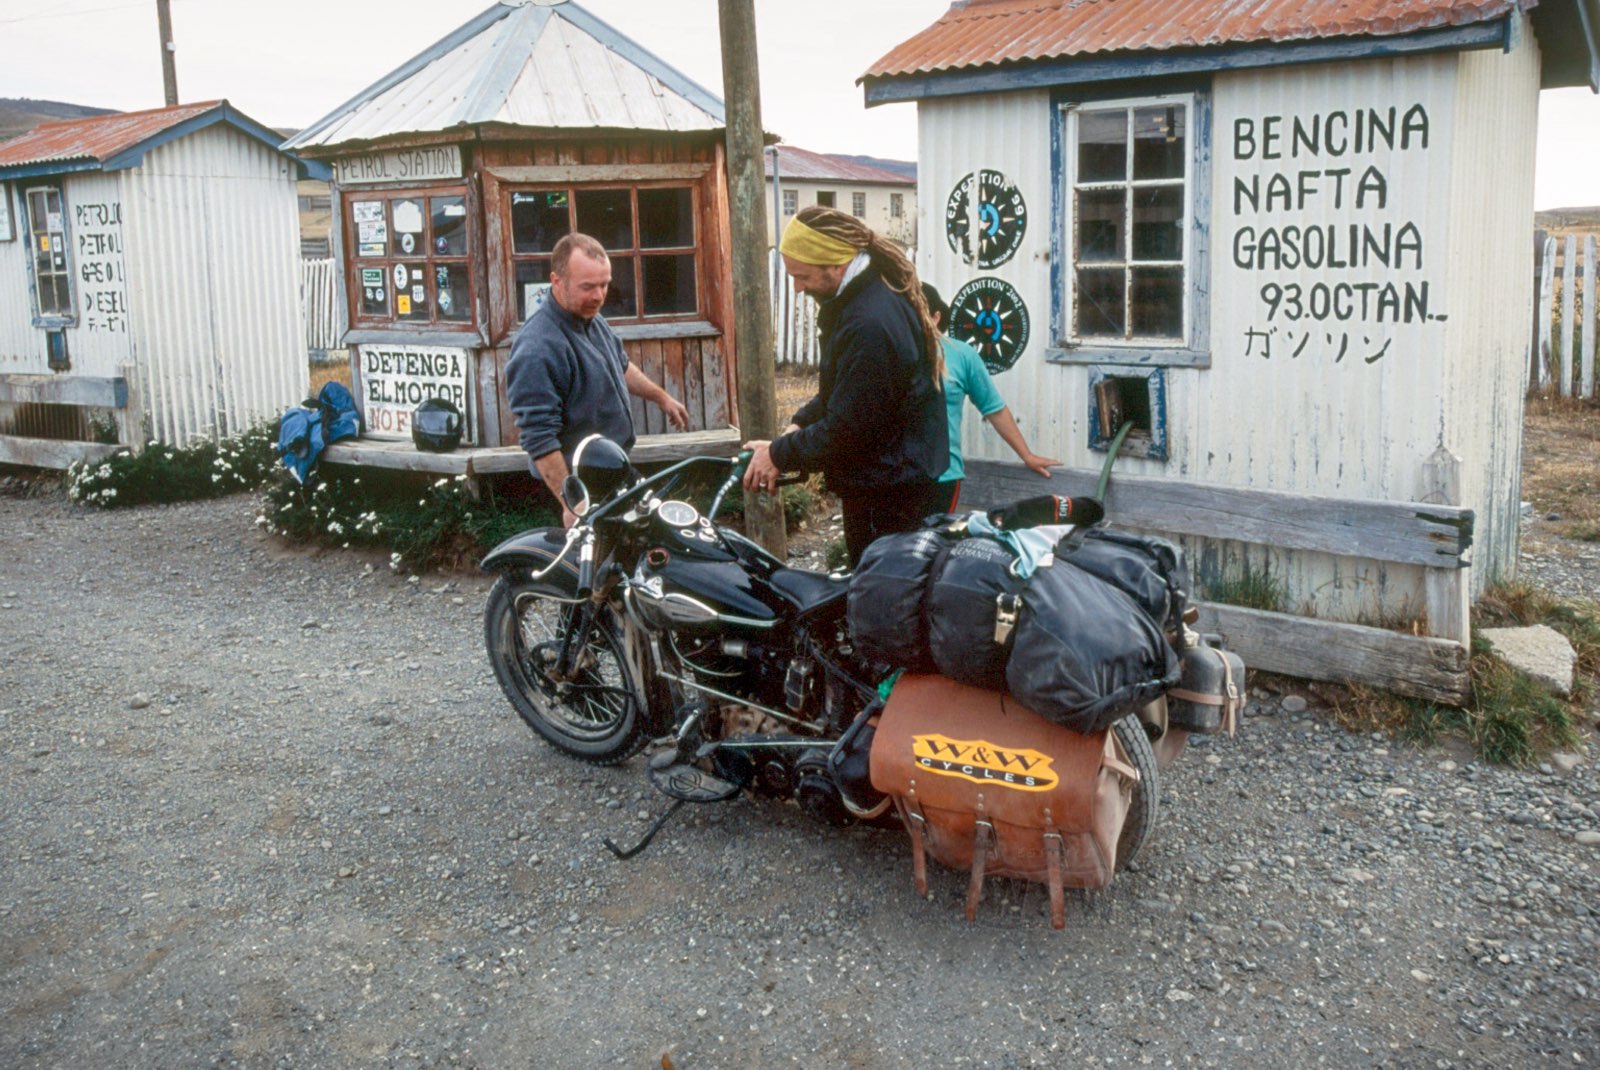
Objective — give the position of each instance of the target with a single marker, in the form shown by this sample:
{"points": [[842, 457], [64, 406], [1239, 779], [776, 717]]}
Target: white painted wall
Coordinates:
{"points": [[902, 229]]}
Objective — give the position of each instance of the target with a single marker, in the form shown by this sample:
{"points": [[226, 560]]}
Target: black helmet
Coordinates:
{"points": [[601, 467], [436, 426]]}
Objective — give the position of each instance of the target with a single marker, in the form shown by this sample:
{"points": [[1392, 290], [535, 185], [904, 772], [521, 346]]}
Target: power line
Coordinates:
{"points": [[69, 14]]}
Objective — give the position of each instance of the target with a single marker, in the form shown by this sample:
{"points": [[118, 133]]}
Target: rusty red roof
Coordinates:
{"points": [[976, 33], [804, 165]]}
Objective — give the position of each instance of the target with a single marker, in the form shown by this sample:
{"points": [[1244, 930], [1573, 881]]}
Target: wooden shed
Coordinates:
{"points": [[453, 178], [1289, 243], [149, 282]]}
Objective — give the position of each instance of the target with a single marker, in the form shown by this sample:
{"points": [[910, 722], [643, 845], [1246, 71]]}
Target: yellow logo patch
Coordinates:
{"points": [[982, 762]]}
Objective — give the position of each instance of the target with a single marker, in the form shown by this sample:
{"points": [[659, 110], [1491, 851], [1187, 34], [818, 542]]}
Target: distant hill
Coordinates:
{"points": [[1568, 218], [903, 168], [18, 115]]}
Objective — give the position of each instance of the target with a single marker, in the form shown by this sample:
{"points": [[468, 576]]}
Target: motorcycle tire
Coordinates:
{"points": [[1146, 799], [599, 717]]}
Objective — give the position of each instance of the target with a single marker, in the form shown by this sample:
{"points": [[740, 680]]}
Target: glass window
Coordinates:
{"points": [[825, 198], [1129, 212], [409, 257], [897, 205], [648, 231], [52, 265], [791, 202], [858, 205]]}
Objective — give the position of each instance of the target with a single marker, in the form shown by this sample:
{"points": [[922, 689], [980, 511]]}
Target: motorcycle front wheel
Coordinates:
{"points": [[1145, 801], [596, 716]]}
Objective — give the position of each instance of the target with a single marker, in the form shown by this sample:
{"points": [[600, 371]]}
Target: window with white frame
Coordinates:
{"points": [[858, 205], [52, 266], [897, 205], [791, 202], [1128, 234]]}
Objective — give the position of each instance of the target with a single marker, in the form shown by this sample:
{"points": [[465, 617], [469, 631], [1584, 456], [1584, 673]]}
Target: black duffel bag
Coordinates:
{"points": [[884, 606], [1148, 569]]}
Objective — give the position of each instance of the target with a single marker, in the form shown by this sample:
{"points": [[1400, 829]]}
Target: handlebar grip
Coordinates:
{"points": [[586, 567]]}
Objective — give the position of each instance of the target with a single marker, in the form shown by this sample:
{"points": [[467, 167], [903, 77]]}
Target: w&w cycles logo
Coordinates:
{"points": [[982, 762]]}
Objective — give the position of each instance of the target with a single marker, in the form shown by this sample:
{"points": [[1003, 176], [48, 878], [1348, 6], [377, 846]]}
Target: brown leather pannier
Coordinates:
{"points": [[982, 783]]}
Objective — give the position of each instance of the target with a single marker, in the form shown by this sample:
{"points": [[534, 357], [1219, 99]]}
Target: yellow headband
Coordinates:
{"points": [[814, 247]]}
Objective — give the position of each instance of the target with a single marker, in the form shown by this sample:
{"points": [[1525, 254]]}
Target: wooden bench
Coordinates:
{"points": [[480, 461], [115, 392]]}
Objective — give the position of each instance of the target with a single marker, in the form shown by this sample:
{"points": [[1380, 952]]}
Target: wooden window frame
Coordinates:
{"points": [[54, 317], [354, 263]]}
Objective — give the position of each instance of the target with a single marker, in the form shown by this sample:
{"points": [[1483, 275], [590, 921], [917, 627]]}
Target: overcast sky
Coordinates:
{"points": [[289, 62]]}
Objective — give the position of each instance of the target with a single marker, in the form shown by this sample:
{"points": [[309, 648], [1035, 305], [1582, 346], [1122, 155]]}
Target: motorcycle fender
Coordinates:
{"points": [[526, 558]]}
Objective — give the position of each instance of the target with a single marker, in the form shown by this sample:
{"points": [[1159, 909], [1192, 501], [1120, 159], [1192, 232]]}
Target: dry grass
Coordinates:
{"points": [[334, 371], [1561, 464]]}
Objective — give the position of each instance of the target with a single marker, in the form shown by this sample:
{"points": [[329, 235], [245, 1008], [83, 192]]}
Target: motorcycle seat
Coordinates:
{"points": [[808, 590]]}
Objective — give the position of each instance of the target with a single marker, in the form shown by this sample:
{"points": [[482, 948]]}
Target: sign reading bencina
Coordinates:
{"points": [[407, 165]]}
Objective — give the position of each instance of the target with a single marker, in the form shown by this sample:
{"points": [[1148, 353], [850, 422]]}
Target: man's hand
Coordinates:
{"points": [[1039, 464], [568, 517], [761, 475], [676, 414]]}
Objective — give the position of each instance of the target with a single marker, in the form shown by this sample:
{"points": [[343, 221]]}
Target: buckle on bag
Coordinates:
{"points": [[1006, 608]]}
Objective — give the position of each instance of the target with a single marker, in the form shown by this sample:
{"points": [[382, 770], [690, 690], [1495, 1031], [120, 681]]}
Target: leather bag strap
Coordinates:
{"points": [[982, 840]]}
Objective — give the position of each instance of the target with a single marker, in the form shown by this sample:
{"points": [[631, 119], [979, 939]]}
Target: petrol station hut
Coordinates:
{"points": [[453, 178], [1288, 242], [149, 282]]}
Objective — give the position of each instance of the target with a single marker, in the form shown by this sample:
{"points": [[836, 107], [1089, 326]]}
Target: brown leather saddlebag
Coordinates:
{"points": [[983, 783]]}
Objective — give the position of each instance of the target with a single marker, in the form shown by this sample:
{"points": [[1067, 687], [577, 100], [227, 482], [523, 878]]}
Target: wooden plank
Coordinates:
{"points": [[578, 170], [488, 414], [131, 428], [1546, 311], [1425, 668], [49, 452], [677, 329], [1568, 296], [1586, 371], [672, 361], [694, 391], [1449, 591], [649, 449], [398, 454], [1436, 536], [100, 391], [649, 360], [716, 391]]}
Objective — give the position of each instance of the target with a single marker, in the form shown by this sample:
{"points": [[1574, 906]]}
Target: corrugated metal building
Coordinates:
{"points": [[1288, 242], [455, 175], [148, 281]]}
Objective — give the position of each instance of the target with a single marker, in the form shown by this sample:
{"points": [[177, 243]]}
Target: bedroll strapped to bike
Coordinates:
{"points": [[984, 784]]}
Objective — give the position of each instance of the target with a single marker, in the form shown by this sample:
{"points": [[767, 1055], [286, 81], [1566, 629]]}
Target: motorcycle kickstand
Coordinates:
{"points": [[650, 834]]}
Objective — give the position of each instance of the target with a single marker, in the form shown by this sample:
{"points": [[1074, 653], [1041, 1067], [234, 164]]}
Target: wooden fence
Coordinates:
{"points": [[1564, 315], [319, 290], [794, 319]]}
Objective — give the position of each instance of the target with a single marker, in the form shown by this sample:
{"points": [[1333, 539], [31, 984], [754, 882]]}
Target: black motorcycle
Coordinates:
{"points": [[649, 624]]}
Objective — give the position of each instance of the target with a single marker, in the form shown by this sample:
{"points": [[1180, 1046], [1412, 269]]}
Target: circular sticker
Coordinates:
{"points": [[989, 315], [1002, 218], [399, 276], [408, 242]]}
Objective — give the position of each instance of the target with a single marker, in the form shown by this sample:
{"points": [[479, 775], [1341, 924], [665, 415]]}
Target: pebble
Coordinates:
{"points": [[1588, 837], [1565, 762], [1293, 704], [139, 701]]}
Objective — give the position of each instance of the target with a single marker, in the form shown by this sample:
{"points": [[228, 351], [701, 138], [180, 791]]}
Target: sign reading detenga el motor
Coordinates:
{"points": [[396, 379], [403, 165]]}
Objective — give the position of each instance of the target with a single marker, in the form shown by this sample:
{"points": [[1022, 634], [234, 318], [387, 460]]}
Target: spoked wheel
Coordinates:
{"points": [[1134, 744], [597, 715]]}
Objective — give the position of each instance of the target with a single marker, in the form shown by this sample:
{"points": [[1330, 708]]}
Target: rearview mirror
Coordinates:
{"points": [[574, 494]]}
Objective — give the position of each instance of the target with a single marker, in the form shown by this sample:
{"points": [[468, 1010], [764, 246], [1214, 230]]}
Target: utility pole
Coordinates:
{"points": [[169, 66], [752, 297]]}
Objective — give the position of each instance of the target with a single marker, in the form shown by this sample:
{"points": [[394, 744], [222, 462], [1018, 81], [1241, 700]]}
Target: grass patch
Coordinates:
{"points": [[1250, 589]]}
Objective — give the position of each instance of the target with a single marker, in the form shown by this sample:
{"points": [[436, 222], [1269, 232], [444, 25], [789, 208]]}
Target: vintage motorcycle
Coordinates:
{"points": [[648, 624]]}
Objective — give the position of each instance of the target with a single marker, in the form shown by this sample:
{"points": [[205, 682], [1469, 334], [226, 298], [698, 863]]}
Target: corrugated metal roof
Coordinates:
{"points": [[976, 33], [551, 66], [804, 165]]}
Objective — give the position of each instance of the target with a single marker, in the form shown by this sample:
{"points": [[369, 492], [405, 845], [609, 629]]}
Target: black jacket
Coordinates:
{"points": [[878, 419]]}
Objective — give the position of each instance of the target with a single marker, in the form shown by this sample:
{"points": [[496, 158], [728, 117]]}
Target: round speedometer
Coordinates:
{"points": [[677, 514]]}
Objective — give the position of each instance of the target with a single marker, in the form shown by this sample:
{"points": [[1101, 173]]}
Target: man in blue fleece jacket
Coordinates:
{"points": [[568, 376]]}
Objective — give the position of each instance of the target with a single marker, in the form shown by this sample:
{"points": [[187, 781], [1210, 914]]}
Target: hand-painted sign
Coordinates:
{"points": [[404, 165], [102, 277], [396, 379], [1000, 218], [989, 315]]}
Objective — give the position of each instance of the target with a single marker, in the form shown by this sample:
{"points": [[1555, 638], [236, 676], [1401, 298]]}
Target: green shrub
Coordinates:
{"points": [[1250, 589], [203, 469]]}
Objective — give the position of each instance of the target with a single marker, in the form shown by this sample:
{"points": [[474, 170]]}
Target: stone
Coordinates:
{"points": [[1293, 704], [1565, 762], [139, 701], [1588, 837], [1539, 651]]}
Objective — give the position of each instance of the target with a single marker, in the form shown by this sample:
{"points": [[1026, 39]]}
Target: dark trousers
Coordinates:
{"points": [[887, 511]]}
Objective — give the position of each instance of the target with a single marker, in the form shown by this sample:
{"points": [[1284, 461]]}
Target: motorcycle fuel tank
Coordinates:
{"points": [[690, 584]]}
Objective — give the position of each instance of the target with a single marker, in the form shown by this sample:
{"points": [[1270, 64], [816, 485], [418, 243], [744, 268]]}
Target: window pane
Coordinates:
{"points": [[620, 302], [1100, 298], [666, 218], [372, 228], [1102, 146], [1100, 221], [669, 287], [1158, 302], [411, 298], [451, 293], [1158, 142], [607, 216], [375, 286], [858, 205], [63, 289], [532, 278], [825, 198], [1158, 223], [538, 220], [449, 220], [406, 227]]}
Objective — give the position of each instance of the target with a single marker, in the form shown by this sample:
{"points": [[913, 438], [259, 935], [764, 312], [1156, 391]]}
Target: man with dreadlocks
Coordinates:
{"points": [[877, 427]]}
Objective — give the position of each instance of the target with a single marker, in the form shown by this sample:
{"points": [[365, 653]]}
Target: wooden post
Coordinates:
{"points": [[1587, 357], [1448, 591], [758, 402], [1546, 312], [1569, 286], [169, 63], [131, 428]]}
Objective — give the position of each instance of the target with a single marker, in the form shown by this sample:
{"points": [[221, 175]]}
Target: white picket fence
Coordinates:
{"points": [[1565, 317], [319, 289], [794, 319]]}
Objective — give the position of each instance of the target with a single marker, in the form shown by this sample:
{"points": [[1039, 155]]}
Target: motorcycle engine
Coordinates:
{"points": [[816, 791]]}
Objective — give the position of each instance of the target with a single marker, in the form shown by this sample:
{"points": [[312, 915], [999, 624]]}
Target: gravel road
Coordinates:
{"points": [[265, 808]]}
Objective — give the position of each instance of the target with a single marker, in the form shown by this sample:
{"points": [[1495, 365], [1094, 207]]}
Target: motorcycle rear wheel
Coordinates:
{"points": [[596, 717], [1146, 798]]}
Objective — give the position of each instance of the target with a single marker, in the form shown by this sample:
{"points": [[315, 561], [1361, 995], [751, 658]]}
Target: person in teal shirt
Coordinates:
{"points": [[966, 377]]}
